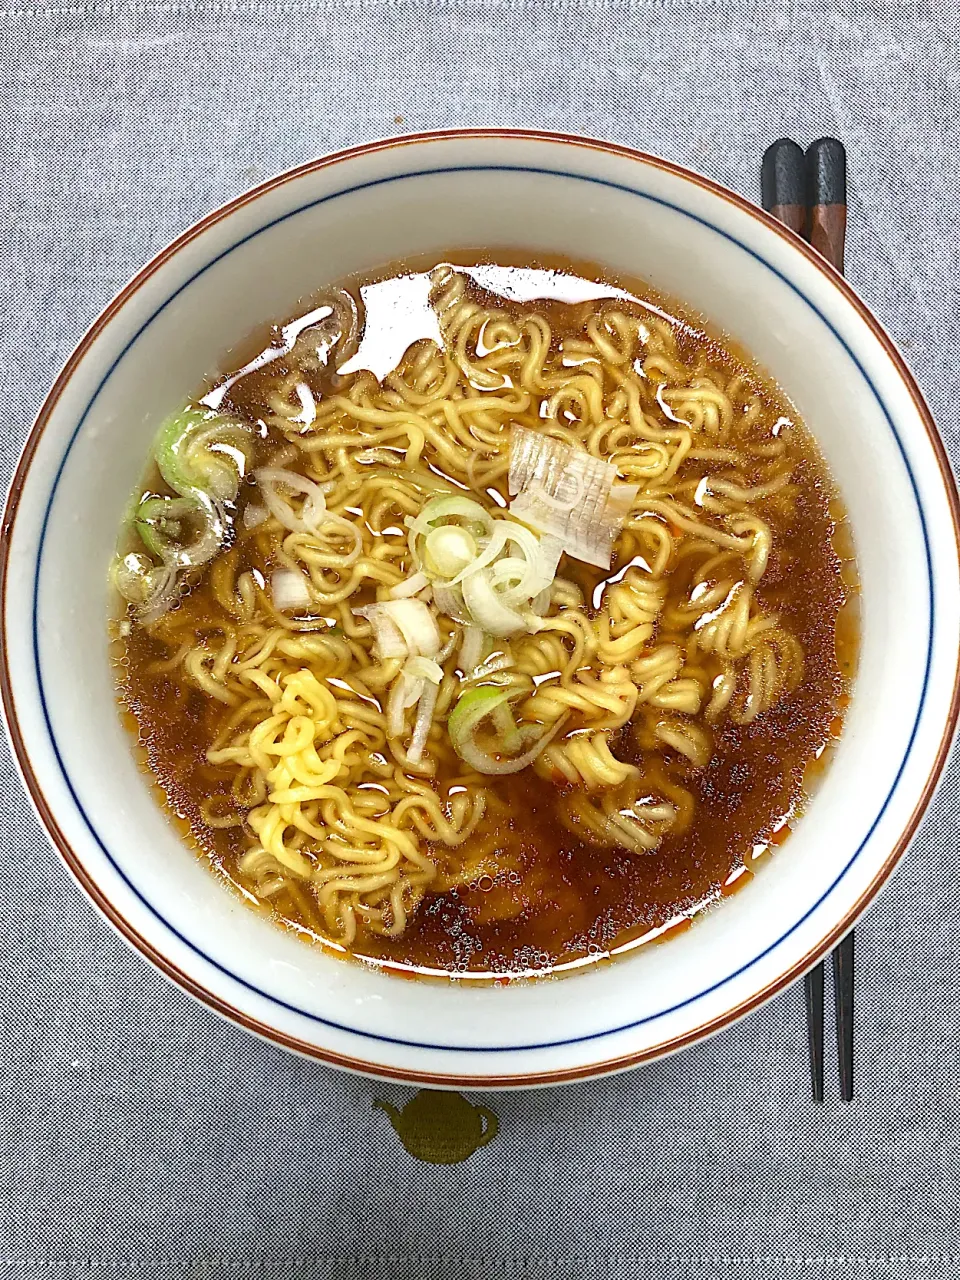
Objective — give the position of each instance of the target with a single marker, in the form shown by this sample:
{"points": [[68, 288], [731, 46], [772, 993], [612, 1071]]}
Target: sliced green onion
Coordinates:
{"points": [[506, 727], [421, 728], [456, 504], [418, 683], [181, 532], [486, 574], [504, 532], [487, 610], [475, 706], [402, 627], [290, 590], [424, 669], [471, 649], [449, 600], [386, 634], [139, 580], [200, 450], [160, 523], [202, 456], [272, 479], [448, 549], [417, 625], [541, 603], [509, 578], [409, 587], [472, 707], [479, 522]]}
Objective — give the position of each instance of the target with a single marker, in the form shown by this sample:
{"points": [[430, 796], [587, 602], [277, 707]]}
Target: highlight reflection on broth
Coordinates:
{"points": [[490, 620]]}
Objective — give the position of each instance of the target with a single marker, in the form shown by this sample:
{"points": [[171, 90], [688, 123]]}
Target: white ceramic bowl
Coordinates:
{"points": [[252, 261]]}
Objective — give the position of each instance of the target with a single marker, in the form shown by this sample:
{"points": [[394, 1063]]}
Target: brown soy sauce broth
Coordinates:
{"points": [[557, 903]]}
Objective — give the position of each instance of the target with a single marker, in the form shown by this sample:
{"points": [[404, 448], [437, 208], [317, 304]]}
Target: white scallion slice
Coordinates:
{"points": [[272, 480], [504, 532], [409, 587], [471, 649], [421, 728], [410, 689], [465, 512], [387, 636], [152, 588], [449, 600], [424, 669], [488, 610], [448, 549], [289, 590], [417, 625], [416, 685], [403, 627], [568, 494], [541, 603]]}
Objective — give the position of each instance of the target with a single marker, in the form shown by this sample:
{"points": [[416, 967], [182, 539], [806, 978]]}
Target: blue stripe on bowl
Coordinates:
{"points": [[545, 1044]]}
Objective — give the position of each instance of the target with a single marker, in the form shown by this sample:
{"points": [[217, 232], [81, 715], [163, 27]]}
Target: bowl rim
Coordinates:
{"points": [[216, 1002]]}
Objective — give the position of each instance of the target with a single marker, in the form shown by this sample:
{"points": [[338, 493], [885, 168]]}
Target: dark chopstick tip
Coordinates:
{"points": [[826, 165], [783, 174], [813, 994], [843, 987]]}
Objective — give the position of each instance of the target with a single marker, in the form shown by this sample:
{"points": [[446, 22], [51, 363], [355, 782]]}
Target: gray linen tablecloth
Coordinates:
{"points": [[139, 1134]]}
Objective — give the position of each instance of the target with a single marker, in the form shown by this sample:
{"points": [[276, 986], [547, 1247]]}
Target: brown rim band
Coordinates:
{"points": [[171, 970]]}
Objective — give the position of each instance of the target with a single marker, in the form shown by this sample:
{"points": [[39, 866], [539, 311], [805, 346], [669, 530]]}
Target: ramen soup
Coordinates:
{"points": [[489, 620]]}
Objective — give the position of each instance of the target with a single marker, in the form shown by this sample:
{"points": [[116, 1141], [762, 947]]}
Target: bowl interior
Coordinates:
{"points": [[179, 326]]}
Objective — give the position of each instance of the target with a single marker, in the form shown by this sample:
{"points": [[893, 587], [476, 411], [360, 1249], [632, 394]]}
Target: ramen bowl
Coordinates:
{"points": [[176, 323]]}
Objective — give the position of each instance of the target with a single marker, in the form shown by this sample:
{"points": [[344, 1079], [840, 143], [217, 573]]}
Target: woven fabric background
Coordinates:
{"points": [[141, 1136]]}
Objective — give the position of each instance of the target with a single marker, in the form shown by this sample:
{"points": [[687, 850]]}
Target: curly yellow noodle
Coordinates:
{"points": [[583, 760]]}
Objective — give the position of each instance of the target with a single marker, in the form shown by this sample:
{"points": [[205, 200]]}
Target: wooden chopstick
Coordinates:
{"points": [[808, 194], [843, 998], [827, 201], [783, 181], [813, 998]]}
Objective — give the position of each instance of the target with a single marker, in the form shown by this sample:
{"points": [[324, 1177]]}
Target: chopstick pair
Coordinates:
{"points": [[808, 194]]}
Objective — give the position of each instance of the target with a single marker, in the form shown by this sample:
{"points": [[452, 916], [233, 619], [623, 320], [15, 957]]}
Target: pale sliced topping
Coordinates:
{"points": [[567, 493]]}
